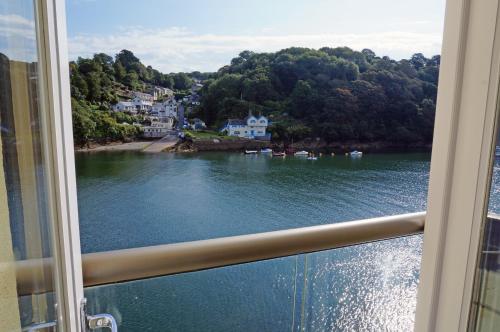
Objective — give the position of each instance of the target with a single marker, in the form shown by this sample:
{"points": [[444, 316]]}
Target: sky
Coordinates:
{"points": [[204, 35]]}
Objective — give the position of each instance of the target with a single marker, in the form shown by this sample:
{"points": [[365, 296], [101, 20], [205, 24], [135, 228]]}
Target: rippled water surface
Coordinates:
{"points": [[130, 200]]}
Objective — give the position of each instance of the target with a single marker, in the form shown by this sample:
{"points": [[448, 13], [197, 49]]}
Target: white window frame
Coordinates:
{"points": [[461, 162], [462, 148], [58, 129]]}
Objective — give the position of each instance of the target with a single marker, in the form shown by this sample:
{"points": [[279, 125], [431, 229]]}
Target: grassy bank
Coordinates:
{"points": [[206, 135]]}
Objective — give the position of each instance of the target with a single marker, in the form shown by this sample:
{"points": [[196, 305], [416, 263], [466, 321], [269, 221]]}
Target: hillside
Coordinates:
{"points": [[334, 94], [331, 94], [101, 81]]}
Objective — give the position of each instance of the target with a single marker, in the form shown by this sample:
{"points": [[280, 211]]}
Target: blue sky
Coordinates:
{"points": [[205, 35]]}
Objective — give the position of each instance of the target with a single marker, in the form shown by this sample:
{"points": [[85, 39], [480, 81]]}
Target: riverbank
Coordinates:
{"points": [[200, 145], [370, 147], [215, 144], [115, 146], [239, 144]]}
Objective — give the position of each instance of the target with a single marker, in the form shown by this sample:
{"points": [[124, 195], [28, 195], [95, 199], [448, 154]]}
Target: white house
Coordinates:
{"points": [[158, 92], [251, 127], [133, 106], [125, 106], [143, 96], [198, 124], [167, 109], [157, 129], [142, 105]]}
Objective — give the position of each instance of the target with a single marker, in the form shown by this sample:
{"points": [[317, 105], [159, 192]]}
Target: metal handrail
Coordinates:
{"points": [[147, 262]]}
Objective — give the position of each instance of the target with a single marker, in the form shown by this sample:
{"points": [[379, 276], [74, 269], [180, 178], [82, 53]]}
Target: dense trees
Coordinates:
{"points": [[336, 94], [90, 124], [100, 81]]}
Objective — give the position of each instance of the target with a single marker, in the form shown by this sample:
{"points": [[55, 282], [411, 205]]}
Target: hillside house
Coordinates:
{"points": [[166, 109], [142, 96], [125, 106], [198, 124], [251, 127], [157, 129], [159, 92], [133, 106]]}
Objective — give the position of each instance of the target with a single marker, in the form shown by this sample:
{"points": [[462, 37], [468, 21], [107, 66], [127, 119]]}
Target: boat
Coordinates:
{"points": [[312, 158], [356, 153], [301, 153], [267, 150], [251, 151], [279, 154]]}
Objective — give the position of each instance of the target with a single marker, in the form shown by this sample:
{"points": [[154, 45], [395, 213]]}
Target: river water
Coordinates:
{"points": [[131, 200]]}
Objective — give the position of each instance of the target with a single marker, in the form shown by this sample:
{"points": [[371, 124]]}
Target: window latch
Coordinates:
{"points": [[98, 321]]}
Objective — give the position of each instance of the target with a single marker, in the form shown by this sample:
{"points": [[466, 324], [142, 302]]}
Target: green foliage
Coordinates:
{"points": [[182, 81], [336, 94], [96, 84], [94, 125]]}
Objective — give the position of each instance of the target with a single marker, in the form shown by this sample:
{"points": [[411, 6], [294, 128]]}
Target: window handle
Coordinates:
{"points": [[101, 321], [98, 321]]}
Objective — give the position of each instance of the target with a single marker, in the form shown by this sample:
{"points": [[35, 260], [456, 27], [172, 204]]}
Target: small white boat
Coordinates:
{"points": [[266, 151], [251, 151], [312, 158], [301, 153], [356, 153]]}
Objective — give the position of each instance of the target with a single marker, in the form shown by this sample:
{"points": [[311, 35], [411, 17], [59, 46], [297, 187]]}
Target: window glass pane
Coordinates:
{"points": [[233, 118], [25, 231], [486, 305], [362, 288]]}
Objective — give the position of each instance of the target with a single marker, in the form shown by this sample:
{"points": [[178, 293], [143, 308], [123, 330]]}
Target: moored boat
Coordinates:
{"points": [[251, 151], [267, 150], [356, 153], [279, 154], [301, 153]]}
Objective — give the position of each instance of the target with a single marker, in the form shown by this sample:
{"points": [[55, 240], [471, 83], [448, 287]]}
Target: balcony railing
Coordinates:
{"points": [[147, 262]]}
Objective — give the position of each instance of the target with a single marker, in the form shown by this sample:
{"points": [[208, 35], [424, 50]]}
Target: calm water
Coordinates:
{"points": [[130, 200]]}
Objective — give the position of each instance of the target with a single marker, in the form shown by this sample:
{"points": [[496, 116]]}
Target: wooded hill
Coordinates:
{"points": [[101, 81], [335, 94]]}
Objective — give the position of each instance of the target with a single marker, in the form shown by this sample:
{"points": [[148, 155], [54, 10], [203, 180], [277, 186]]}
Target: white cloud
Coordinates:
{"points": [[17, 37], [14, 26], [177, 49], [16, 20]]}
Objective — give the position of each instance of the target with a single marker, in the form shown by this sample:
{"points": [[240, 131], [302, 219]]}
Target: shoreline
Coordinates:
{"points": [[192, 146], [116, 146]]}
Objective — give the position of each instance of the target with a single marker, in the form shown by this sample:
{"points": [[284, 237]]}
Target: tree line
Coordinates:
{"points": [[334, 94]]}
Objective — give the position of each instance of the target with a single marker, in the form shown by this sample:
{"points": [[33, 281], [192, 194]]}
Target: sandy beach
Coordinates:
{"points": [[117, 146]]}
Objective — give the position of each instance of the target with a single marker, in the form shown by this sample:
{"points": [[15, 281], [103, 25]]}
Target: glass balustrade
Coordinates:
{"points": [[369, 286]]}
